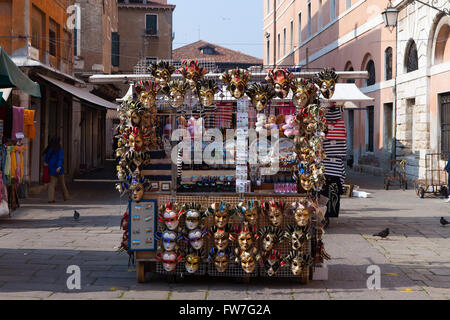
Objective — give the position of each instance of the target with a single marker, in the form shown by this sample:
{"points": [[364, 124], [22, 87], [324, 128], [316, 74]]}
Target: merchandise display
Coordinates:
{"points": [[201, 205]]}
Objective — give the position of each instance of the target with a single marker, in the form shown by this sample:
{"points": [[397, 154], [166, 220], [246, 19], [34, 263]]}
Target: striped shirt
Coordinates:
{"points": [[334, 115], [224, 115], [336, 130], [335, 167], [335, 148]]}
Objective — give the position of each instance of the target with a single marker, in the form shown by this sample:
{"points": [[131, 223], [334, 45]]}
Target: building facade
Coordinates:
{"points": [[350, 35], [148, 26]]}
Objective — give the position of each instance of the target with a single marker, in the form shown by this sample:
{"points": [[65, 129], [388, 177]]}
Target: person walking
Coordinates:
{"points": [[54, 156], [447, 168]]}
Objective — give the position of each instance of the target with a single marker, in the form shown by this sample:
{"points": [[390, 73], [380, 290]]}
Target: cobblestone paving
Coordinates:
{"points": [[41, 240]]}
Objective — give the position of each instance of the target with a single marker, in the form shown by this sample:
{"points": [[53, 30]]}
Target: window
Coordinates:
{"points": [[388, 64], [37, 27], [348, 4], [319, 15], [299, 28], [370, 68], [53, 38], [445, 124], [115, 49], [292, 36], [332, 10], [309, 20], [284, 41], [411, 57], [279, 46], [208, 50], [151, 24], [369, 128]]}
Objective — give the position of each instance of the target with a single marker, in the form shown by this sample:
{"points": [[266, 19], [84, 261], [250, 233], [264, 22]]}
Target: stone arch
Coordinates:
{"points": [[439, 40], [411, 59]]}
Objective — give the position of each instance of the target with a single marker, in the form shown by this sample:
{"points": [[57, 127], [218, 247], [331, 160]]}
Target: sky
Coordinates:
{"points": [[234, 24]]}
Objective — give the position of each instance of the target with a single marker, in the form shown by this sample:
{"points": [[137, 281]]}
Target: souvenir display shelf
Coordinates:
{"points": [[161, 181]]}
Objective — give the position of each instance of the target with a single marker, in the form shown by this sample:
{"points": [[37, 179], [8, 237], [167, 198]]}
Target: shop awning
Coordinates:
{"points": [[81, 93], [345, 92], [12, 76], [4, 93]]}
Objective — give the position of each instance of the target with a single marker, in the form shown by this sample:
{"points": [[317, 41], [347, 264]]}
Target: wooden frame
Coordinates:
{"points": [[165, 186], [154, 185]]}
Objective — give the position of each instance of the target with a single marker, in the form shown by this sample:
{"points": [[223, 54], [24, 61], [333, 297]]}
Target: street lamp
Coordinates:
{"points": [[390, 15]]}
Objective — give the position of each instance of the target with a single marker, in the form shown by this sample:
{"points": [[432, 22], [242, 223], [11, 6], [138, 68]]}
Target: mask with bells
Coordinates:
{"points": [[221, 237], [175, 91], [206, 89], [147, 91], [169, 239], [192, 72], [281, 80], [260, 94], [169, 260], [326, 80], [297, 235], [245, 235], [251, 212], [271, 236], [303, 91], [236, 81], [192, 260], [248, 260], [161, 71], [220, 258], [272, 261], [170, 216], [298, 261], [275, 211], [195, 238]]}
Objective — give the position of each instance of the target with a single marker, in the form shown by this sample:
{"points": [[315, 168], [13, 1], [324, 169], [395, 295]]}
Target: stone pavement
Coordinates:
{"points": [[41, 240]]}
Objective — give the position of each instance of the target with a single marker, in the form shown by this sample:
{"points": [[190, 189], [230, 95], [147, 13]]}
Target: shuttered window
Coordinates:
{"points": [[151, 24], [115, 49]]}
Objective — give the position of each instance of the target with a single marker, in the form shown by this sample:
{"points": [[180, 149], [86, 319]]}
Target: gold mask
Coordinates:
{"points": [[260, 94]]}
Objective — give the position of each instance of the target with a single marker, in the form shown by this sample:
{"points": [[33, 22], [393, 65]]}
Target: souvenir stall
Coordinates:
{"points": [[223, 175], [16, 124]]}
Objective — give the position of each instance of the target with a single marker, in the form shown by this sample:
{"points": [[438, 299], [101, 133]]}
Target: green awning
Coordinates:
{"points": [[12, 76]]}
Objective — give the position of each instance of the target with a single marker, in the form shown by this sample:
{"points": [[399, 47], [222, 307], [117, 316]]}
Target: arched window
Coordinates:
{"points": [[349, 67], [370, 68], [442, 49], [388, 63], [411, 59]]}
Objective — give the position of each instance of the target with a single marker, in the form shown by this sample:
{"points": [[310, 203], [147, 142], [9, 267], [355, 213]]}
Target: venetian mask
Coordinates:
{"points": [[147, 91], [275, 213], [303, 90], [221, 237], [169, 217], [326, 80], [281, 80], [270, 237], [302, 214], [162, 71], [298, 261], [206, 89], [175, 91], [250, 213], [192, 72], [147, 120], [221, 259], [272, 262], [221, 213], [260, 94], [245, 236], [169, 239], [236, 81], [248, 261], [192, 219], [305, 181], [135, 140], [169, 260], [298, 236], [195, 238], [192, 260]]}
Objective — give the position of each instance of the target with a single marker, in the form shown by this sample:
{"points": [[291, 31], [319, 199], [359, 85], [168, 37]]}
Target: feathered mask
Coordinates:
{"points": [[236, 81], [326, 80], [281, 80], [260, 94]]}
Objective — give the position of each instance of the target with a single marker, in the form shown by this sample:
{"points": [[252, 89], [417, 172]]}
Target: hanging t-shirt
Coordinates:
{"points": [[18, 123], [334, 167], [335, 148], [336, 130]]}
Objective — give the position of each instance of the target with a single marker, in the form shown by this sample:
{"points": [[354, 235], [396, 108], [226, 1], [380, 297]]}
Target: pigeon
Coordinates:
{"points": [[443, 221], [382, 234], [76, 215]]}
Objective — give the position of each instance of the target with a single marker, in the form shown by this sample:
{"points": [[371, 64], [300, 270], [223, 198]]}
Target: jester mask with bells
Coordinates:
{"points": [[326, 80], [169, 215], [206, 89], [248, 260], [272, 260], [281, 80], [195, 238], [303, 92], [175, 91], [271, 236], [169, 239], [169, 260], [221, 237], [138, 140], [138, 187], [245, 236], [194, 216], [192, 259], [260, 94], [297, 236], [303, 212], [161, 71], [192, 72], [222, 212], [251, 212], [221, 258], [147, 91], [275, 211], [298, 262], [236, 81]]}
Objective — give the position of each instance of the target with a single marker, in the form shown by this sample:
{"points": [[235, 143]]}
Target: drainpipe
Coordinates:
{"points": [[274, 33]]}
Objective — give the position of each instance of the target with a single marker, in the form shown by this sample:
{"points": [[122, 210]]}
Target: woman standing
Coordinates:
{"points": [[54, 156]]}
